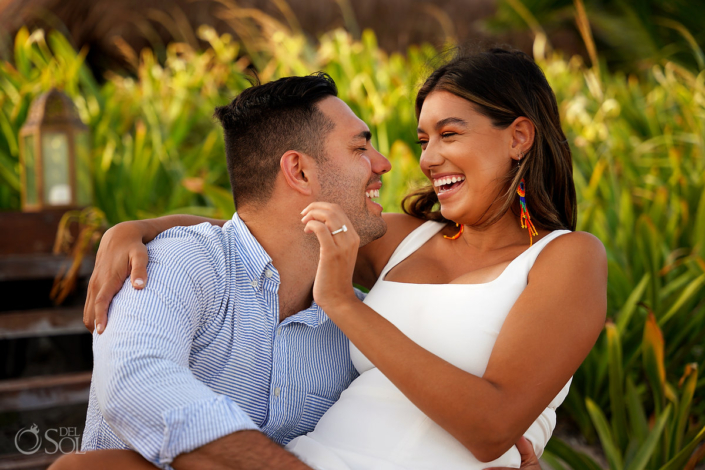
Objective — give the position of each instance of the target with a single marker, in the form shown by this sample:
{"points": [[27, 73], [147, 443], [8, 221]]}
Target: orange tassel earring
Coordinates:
{"points": [[457, 235], [525, 218]]}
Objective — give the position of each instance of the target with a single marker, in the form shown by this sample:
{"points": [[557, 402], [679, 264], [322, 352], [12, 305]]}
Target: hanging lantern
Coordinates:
{"points": [[54, 155]]}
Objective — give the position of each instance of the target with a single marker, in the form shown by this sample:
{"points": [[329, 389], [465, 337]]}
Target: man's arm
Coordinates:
{"points": [[145, 389], [247, 450]]}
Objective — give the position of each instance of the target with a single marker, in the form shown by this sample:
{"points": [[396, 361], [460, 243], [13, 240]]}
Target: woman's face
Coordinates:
{"points": [[465, 156]]}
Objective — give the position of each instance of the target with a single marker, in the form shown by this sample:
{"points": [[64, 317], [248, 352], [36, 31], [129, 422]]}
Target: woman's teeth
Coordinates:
{"points": [[372, 193], [446, 183]]}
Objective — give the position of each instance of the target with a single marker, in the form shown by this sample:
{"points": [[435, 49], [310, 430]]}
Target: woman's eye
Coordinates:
{"points": [[421, 142], [448, 134]]}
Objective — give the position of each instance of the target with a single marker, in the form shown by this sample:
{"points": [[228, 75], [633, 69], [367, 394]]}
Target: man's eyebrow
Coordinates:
{"points": [[367, 135], [445, 122]]}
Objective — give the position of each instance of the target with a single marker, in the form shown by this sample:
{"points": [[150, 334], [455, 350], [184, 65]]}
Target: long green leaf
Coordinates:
{"points": [[694, 289], [612, 451], [688, 384], [616, 386], [630, 305], [679, 461], [576, 460], [645, 452]]}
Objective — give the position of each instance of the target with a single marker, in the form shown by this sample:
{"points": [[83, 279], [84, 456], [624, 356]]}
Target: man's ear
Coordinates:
{"points": [[299, 171], [523, 132]]}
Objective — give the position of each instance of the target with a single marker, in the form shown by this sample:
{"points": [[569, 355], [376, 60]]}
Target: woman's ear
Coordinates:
{"points": [[523, 132], [299, 171]]}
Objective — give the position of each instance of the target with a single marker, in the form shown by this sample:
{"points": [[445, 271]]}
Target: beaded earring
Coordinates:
{"points": [[525, 218], [457, 235]]}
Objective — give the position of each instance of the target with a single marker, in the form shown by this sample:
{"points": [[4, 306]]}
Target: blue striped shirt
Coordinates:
{"points": [[200, 352]]}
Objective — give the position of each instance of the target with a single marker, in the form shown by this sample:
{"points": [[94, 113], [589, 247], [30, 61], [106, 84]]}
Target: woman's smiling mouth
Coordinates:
{"points": [[447, 184]]}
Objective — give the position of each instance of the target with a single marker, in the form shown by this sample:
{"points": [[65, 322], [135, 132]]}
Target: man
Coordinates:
{"points": [[224, 357]]}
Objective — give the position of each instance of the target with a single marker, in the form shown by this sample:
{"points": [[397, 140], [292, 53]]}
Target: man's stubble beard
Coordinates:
{"points": [[350, 196]]}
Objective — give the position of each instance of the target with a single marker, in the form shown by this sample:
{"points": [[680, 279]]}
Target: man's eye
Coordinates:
{"points": [[364, 149]]}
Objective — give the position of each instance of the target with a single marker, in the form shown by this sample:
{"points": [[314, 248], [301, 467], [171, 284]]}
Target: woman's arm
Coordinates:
{"points": [[545, 337], [122, 253]]}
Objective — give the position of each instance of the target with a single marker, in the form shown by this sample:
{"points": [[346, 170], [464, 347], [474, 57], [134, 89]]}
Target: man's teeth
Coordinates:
{"points": [[372, 193], [448, 180]]}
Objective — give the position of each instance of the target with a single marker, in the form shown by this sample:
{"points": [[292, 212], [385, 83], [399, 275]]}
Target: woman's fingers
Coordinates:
{"points": [[88, 308], [102, 302], [325, 239], [138, 262], [330, 214]]}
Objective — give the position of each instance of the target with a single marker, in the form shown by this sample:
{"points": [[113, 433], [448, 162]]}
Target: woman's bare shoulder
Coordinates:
{"points": [[576, 258], [577, 245]]}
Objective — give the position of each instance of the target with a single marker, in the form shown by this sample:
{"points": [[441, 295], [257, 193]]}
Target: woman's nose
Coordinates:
{"points": [[429, 158]]}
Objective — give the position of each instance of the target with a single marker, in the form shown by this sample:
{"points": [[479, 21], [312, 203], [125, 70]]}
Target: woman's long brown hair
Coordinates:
{"points": [[503, 85]]}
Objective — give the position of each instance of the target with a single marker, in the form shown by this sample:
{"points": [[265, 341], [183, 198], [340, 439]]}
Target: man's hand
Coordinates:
{"points": [[529, 461]]}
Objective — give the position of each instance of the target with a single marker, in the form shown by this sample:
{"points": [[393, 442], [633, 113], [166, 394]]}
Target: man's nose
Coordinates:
{"points": [[380, 164]]}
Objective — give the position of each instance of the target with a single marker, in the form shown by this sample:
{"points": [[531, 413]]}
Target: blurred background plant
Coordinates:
{"points": [[634, 119]]}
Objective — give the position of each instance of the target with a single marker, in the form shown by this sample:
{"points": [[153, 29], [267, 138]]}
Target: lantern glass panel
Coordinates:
{"points": [[84, 186], [30, 171], [55, 160]]}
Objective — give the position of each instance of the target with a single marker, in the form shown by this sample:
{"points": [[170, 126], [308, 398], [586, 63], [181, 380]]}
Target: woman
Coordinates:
{"points": [[441, 386]]}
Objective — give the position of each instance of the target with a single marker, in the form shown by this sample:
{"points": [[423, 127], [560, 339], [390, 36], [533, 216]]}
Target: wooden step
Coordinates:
{"points": [[36, 393], [42, 322], [39, 266]]}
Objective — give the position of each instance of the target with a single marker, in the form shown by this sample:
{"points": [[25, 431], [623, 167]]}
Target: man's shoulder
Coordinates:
{"points": [[192, 248]]}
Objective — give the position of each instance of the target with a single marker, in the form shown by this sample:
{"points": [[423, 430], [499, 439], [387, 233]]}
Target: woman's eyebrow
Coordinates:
{"points": [[444, 122], [451, 120]]}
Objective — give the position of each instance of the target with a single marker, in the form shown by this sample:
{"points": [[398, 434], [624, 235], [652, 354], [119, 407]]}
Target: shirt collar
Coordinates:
{"points": [[254, 259]]}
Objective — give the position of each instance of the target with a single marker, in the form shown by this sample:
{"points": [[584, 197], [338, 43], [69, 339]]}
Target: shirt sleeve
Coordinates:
{"points": [[144, 387]]}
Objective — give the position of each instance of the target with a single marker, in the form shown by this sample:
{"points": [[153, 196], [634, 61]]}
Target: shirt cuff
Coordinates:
{"points": [[199, 423]]}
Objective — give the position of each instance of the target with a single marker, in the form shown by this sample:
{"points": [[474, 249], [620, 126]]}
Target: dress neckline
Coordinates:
{"points": [[431, 233]]}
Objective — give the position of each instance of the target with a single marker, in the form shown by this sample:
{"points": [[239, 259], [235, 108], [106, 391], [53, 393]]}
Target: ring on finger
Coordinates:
{"points": [[342, 229]]}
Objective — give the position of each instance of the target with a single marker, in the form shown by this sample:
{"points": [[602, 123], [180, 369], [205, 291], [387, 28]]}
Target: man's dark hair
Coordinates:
{"points": [[264, 122]]}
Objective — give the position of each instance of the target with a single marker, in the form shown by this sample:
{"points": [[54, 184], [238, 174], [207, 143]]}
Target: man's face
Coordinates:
{"points": [[351, 176]]}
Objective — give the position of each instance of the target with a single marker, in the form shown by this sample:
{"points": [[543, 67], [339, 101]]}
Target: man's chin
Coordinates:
{"points": [[375, 228]]}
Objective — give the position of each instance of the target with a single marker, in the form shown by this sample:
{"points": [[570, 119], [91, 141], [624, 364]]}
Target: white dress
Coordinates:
{"points": [[374, 426]]}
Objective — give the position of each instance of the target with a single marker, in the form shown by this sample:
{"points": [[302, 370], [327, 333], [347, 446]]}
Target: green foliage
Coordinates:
{"points": [[628, 441], [156, 147], [629, 35], [639, 169]]}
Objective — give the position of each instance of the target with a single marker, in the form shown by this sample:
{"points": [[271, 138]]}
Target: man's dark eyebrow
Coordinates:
{"points": [[446, 121], [367, 135]]}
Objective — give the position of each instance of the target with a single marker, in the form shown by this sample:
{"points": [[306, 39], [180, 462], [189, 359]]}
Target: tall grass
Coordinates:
{"points": [[638, 144]]}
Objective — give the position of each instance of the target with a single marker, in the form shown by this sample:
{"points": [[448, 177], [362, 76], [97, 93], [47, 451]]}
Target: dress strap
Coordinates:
{"points": [[412, 242]]}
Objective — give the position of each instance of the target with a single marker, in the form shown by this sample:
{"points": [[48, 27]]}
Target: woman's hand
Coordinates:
{"points": [[529, 461], [121, 253], [338, 253]]}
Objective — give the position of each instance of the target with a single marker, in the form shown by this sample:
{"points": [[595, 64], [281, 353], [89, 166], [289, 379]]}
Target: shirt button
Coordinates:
{"points": [[279, 331], [276, 392], [268, 273], [255, 284]]}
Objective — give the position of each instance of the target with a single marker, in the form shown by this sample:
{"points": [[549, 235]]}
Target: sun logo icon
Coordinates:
{"points": [[34, 430]]}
